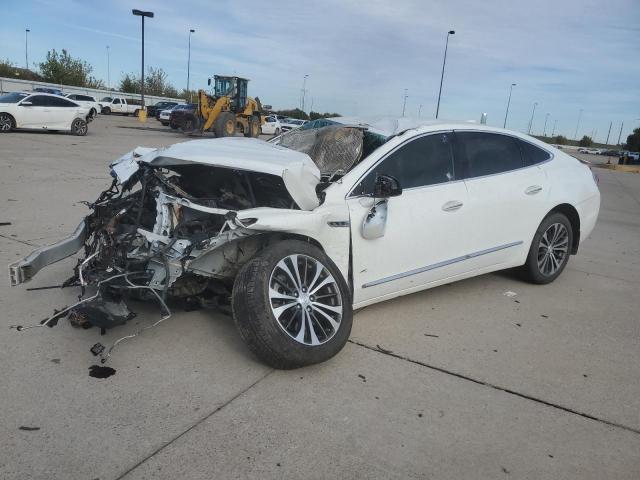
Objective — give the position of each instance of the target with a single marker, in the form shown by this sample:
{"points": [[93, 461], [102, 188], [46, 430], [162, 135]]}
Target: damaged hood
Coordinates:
{"points": [[297, 170]]}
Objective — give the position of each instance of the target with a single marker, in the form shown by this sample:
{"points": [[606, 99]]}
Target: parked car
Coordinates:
{"points": [[179, 113], [612, 153], [592, 151], [124, 106], [290, 124], [293, 243], [154, 110], [165, 115], [87, 101], [271, 126], [42, 111], [52, 91]]}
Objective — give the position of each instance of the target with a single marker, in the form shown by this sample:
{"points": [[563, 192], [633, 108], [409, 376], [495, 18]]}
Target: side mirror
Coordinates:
{"points": [[26, 104], [386, 186]]}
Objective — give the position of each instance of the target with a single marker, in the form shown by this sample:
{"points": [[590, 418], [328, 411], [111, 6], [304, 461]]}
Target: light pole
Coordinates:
{"points": [[575, 135], [304, 87], [419, 110], [26, 48], [609, 133], [535, 104], [544, 132], [555, 122], [140, 13], [450, 32], [404, 103], [620, 135], [191, 30], [508, 103], [108, 68]]}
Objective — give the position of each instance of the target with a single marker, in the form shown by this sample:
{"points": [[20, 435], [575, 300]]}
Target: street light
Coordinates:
{"points": [[450, 32], [108, 69], [419, 110], [304, 87], [26, 48], [544, 132], [553, 132], [535, 104], [140, 13], [508, 103], [191, 30], [575, 135], [404, 104]]}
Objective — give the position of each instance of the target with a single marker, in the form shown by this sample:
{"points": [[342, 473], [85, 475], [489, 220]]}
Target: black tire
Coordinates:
{"points": [[190, 123], [257, 324], [79, 127], [174, 126], [126, 114], [166, 124], [253, 128], [7, 123], [532, 270], [92, 113], [225, 125], [106, 111]]}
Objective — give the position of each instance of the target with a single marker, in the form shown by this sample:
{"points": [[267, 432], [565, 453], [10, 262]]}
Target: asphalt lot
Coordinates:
{"points": [[478, 384]]}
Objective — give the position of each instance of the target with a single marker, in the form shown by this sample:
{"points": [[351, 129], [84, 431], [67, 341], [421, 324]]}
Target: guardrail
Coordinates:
{"points": [[8, 85]]}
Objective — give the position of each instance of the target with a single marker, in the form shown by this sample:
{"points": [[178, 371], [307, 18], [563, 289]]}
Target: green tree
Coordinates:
{"points": [[188, 95], [559, 140], [130, 83], [633, 141], [62, 68], [155, 83], [317, 115], [10, 70], [585, 141], [295, 113]]}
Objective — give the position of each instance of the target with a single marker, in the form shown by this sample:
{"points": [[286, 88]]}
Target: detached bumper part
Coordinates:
{"points": [[24, 270]]}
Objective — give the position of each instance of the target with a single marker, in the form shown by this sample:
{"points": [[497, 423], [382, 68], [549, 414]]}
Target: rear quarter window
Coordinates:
{"points": [[532, 154]]}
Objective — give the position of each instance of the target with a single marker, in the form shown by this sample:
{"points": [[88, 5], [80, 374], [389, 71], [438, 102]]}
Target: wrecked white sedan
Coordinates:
{"points": [[293, 235]]}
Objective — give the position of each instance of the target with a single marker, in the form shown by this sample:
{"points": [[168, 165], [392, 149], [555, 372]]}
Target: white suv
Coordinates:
{"points": [[87, 101]]}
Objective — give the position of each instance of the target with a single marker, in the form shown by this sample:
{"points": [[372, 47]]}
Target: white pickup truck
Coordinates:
{"points": [[120, 105]]}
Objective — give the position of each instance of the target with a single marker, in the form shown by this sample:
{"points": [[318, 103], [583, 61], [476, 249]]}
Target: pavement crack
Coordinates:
{"points": [[19, 241], [204, 419], [497, 387]]}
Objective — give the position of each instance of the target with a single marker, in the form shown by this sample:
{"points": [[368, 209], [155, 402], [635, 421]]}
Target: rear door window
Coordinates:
{"points": [[478, 154], [532, 154], [60, 102], [39, 101]]}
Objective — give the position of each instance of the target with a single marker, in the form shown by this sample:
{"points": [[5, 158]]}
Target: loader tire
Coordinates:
{"points": [[253, 130], [225, 125]]}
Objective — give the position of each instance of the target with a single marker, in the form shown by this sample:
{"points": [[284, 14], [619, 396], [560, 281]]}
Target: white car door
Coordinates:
{"points": [[116, 106], [32, 112], [507, 196], [61, 113], [425, 235]]}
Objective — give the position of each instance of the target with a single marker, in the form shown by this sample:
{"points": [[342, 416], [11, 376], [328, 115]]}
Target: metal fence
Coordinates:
{"points": [[8, 85]]}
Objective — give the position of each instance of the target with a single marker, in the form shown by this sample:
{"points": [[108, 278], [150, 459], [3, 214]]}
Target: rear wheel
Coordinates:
{"points": [[6, 122], [189, 124], [550, 249], [79, 127], [225, 125], [106, 111], [92, 113], [292, 306], [174, 126]]}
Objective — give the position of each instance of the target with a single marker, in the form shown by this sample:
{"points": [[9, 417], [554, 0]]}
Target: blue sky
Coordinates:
{"points": [[566, 55]]}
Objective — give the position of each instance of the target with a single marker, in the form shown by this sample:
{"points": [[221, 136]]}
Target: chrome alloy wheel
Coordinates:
{"points": [[553, 249], [305, 299], [79, 127], [5, 122]]}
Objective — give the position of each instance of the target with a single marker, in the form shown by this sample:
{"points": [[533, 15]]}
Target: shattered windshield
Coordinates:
{"points": [[333, 147]]}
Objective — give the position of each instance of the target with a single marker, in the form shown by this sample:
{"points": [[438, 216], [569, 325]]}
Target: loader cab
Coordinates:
{"points": [[233, 87]]}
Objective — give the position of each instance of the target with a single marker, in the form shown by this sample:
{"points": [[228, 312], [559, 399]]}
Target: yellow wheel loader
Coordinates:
{"points": [[228, 110]]}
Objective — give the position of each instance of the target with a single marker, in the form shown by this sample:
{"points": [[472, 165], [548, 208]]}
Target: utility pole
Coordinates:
{"points": [[575, 135], [140, 13], [304, 90], [553, 133], [620, 136], [535, 104], [609, 133], [451, 32], [108, 69], [404, 104], [508, 103], [191, 30], [544, 132], [26, 48]]}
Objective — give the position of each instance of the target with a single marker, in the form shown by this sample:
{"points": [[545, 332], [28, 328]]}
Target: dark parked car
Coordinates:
{"points": [[612, 153], [154, 110], [180, 113], [52, 91]]}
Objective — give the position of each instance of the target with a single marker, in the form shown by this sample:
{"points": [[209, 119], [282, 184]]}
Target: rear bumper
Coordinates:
{"points": [[24, 270]]}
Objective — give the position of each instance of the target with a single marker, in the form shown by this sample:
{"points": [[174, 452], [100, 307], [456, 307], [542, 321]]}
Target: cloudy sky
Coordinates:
{"points": [[566, 55]]}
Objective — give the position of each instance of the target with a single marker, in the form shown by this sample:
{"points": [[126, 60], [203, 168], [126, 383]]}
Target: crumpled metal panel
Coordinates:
{"points": [[331, 148]]}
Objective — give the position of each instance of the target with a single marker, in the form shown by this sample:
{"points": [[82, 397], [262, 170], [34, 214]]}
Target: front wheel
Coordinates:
{"points": [[292, 306], [106, 111], [550, 249], [79, 127]]}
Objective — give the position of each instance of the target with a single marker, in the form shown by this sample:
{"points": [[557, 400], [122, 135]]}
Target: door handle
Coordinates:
{"points": [[452, 206], [533, 189]]}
